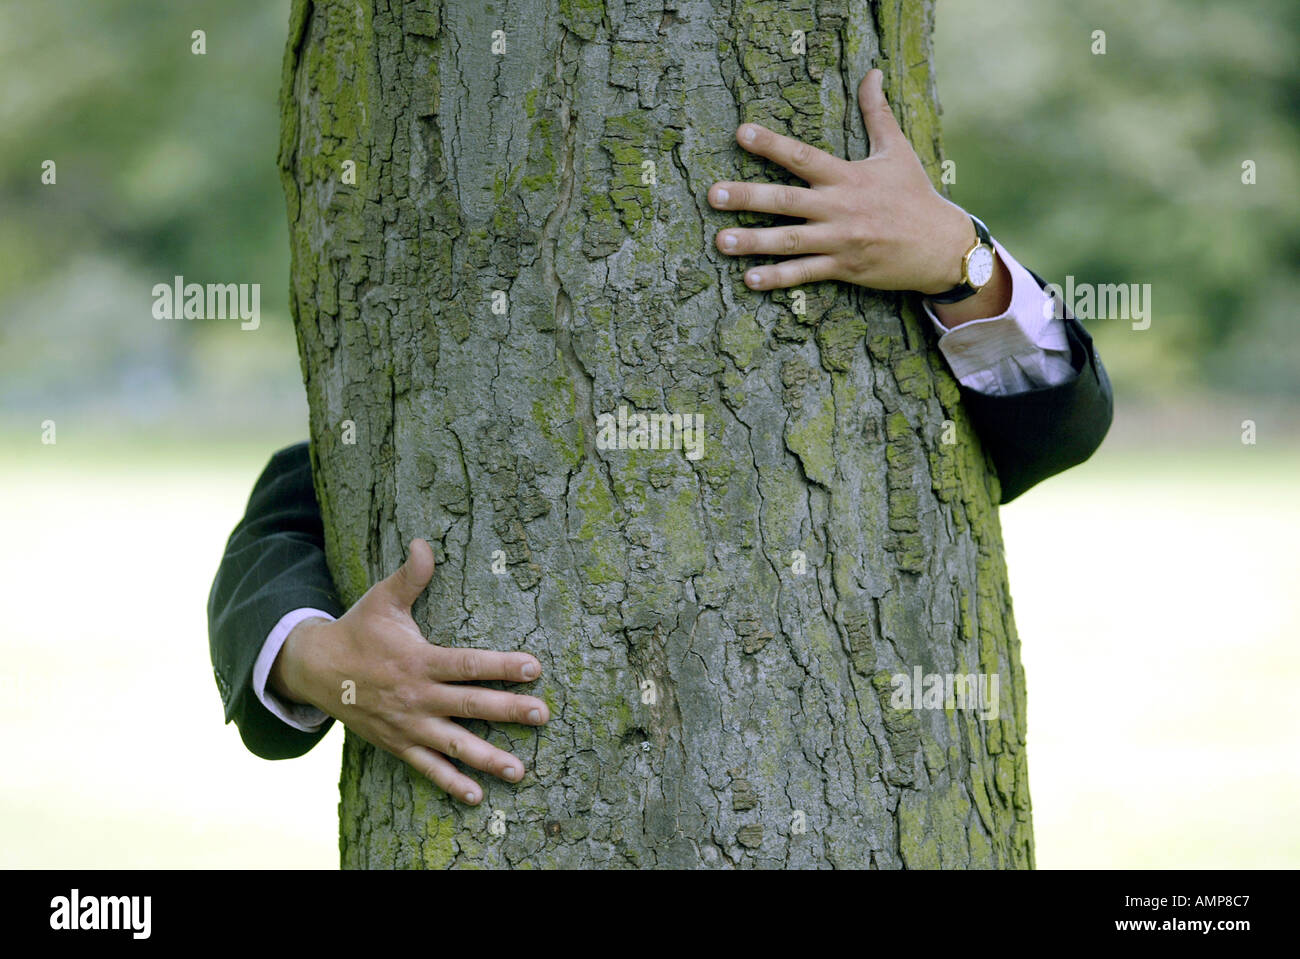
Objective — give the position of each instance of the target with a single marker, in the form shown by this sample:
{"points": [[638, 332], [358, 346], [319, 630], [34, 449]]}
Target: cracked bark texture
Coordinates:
{"points": [[770, 740]]}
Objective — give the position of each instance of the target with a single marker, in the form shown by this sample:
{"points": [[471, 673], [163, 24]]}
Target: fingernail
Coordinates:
{"points": [[729, 241], [510, 772], [751, 279], [530, 670], [748, 134], [471, 796], [720, 197], [534, 715]]}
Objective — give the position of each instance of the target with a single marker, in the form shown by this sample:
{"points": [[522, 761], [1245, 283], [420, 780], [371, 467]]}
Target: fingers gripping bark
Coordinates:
{"points": [[409, 692]]}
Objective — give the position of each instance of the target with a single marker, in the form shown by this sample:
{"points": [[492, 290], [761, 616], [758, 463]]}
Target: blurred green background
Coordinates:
{"points": [[1155, 586]]}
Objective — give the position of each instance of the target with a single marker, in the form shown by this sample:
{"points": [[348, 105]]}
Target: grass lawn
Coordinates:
{"points": [[1156, 597]]}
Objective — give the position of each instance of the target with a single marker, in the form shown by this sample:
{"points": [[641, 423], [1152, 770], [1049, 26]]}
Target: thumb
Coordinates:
{"points": [[408, 582], [882, 128]]}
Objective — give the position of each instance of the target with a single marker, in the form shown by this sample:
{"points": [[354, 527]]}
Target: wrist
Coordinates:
{"points": [[954, 234], [288, 674]]}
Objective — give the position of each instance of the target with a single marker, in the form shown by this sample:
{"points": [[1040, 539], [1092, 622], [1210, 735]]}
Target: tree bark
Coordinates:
{"points": [[523, 245]]}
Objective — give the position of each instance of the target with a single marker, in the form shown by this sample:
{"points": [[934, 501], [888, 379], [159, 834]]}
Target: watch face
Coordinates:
{"points": [[979, 266]]}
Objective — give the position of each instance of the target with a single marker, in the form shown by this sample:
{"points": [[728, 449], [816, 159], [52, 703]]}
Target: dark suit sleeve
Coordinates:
{"points": [[1041, 432], [274, 563]]}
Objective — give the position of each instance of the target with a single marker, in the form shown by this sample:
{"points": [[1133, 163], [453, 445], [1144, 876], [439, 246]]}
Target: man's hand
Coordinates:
{"points": [[404, 686], [876, 222]]}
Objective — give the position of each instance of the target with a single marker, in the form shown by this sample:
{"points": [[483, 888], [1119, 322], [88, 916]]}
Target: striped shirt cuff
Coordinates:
{"points": [[1025, 348], [298, 715]]}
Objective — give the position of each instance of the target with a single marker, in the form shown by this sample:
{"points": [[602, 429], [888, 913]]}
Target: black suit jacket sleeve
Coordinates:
{"points": [[274, 563], [1039, 433]]}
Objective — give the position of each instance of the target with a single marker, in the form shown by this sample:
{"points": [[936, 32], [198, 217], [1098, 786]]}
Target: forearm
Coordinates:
{"points": [[274, 563], [1036, 433], [1031, 380]]}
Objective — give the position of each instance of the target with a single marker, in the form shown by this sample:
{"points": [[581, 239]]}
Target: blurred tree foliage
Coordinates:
{"points": [[166, 165], [1127, 168], [1119, 168], [166, 159]]}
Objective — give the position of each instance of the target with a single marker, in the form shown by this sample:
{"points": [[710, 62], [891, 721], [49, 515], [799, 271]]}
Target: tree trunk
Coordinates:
{"points": [[500, 237]]}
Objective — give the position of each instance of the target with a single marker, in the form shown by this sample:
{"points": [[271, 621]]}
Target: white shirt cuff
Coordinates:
{"points": [[1025, 348], [298, 715]]}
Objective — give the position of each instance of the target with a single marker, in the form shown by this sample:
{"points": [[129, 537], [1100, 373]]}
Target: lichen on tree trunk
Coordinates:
{"points": [[499, 236]]}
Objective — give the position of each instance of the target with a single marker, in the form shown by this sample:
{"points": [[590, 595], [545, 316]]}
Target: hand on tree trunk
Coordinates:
{"points": [[876, 222], [375, 672]]}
